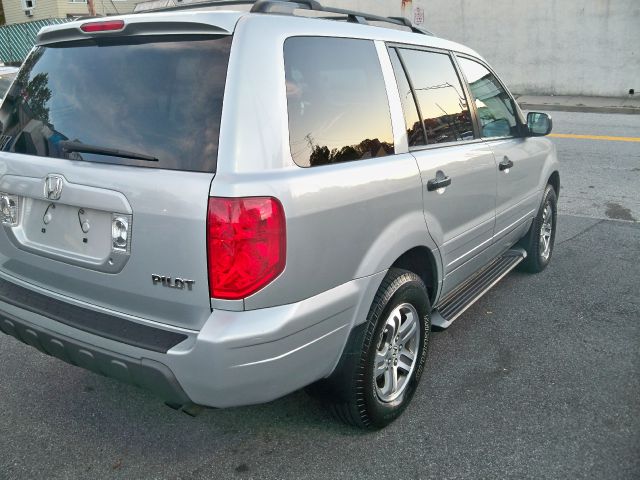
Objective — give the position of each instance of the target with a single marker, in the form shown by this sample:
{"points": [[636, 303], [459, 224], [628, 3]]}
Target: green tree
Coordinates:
{"points": [[38, 95]]}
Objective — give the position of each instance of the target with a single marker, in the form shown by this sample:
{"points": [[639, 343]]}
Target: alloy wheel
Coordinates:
{"points": [[546, 230], [397, 352]]}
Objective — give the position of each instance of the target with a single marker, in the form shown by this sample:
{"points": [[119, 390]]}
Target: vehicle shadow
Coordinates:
{"points": [[99, 398]]}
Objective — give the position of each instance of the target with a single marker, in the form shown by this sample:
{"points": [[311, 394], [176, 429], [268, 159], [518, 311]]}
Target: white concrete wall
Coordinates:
{"points": [[388, 8], [559, 47]]}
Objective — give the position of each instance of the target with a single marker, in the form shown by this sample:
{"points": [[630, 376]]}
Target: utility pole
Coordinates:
{"points": [[92, 8], [404, 5]]}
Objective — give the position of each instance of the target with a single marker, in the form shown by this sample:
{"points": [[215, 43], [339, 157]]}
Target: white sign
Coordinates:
{"points": [[418, 15]]}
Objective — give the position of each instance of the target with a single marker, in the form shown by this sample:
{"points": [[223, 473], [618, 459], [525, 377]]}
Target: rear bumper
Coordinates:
{"points": [[237, 358], [142, 372]]}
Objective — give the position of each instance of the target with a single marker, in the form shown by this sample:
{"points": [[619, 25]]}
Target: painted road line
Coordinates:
{"points": [[595, 137]]}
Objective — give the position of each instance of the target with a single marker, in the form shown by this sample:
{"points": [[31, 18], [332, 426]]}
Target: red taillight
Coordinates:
{"points": [[106, 26], [246, 240]]}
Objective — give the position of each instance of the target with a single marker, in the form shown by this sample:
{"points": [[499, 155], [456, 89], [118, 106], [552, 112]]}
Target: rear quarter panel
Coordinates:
{"points": [[344, 221]]}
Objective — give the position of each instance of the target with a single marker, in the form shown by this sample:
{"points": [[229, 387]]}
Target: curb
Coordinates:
{"points": [[580, 108]]}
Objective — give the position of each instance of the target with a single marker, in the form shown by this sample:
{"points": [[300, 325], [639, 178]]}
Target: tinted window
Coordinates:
{"points": [[495, 108], [441, 98], [158, 97], [337, 101], [415, 133]]}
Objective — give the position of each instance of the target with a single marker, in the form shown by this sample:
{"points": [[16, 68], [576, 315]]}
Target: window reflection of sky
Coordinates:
{"points": [[436, 83], [440, 96], [337, 102]]}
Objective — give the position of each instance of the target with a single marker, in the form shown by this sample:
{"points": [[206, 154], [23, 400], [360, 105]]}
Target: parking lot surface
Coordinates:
{"points": [[539, 379]]}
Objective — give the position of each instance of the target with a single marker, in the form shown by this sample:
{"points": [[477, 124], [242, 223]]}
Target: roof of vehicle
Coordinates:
{"points": [[211, 19]]}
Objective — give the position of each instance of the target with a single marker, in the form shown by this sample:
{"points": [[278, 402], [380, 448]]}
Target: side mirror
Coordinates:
{"points": [[539, 124]]}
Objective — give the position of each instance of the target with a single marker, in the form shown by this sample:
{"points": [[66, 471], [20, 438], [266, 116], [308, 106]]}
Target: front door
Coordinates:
{"points": [[518, 159]]}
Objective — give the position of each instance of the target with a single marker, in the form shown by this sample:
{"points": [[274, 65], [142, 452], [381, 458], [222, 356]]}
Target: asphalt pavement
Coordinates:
{"points": [[600, 178], [539, 379]]}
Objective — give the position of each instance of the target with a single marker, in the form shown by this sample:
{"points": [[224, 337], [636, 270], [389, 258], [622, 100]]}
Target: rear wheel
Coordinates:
{"points": [[540, 239], [384, 359]]}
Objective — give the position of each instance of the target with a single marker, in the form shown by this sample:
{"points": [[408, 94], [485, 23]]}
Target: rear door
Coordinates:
{"points": [[108, 147], [458, 170], [518, 160]]}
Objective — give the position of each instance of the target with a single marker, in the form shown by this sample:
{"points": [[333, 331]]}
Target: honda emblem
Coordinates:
{"points": [[53, 187]]}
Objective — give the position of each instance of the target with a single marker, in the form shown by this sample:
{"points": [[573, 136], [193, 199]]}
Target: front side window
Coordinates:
{"points": [[495, 108], [337, 101], [442, 101]]}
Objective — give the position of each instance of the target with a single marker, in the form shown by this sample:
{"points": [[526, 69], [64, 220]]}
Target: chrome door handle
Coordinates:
{"points": [[440, 181], [505, 164]]}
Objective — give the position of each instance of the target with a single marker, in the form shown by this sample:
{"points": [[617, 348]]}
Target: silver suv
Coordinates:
{"points": [[227, 206]]}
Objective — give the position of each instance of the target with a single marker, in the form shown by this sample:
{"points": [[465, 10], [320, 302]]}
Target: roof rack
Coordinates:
{"points": [[285, 7]]}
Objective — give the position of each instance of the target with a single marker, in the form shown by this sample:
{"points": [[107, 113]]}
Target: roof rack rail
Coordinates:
{"points": [[281, 6], [286, 7], [407, 23]]}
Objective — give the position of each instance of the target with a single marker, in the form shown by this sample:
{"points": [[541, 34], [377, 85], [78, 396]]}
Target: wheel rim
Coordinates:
{"points": [[397, 352], [546, 230]]}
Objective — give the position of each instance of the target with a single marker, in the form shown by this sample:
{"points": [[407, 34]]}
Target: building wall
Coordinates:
{"points": [[14, 11], [385, 8], [103, 7], [559, 47]]}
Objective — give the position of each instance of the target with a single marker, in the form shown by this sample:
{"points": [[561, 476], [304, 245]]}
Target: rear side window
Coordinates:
{"points": [[495, 108], [160, 97], [441, 99], [337, 101]]}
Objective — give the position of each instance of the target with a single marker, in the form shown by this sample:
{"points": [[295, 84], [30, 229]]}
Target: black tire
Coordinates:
{"points": [[536, 260], [350, 392]]}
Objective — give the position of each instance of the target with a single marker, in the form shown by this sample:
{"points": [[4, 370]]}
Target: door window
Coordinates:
{"points": [[415, 132], [495, 108], [442, 102]]}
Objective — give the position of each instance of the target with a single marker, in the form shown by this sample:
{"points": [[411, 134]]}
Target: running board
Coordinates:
{"points": [[456, 302]]}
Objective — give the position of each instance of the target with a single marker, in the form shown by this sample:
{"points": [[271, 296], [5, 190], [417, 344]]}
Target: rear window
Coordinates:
{"points": [[159, 97], [337, 101]]}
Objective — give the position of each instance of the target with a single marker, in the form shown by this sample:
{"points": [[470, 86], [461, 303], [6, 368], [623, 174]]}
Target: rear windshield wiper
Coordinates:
{"points": [[71, 146]]}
